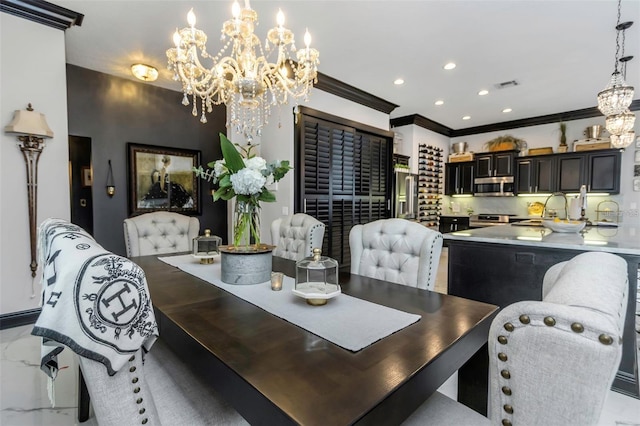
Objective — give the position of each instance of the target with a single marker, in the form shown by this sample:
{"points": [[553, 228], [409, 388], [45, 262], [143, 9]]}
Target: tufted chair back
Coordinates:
{"points": [[551, 362], [159, 233], [296, 236], [558, 357], [396, 250]]}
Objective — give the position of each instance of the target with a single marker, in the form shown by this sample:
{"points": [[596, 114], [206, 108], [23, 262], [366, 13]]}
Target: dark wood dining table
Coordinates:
{"points": [[275, 373]]}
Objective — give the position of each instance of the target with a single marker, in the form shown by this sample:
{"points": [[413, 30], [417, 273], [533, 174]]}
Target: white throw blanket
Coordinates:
{"points": [[94, 302]]}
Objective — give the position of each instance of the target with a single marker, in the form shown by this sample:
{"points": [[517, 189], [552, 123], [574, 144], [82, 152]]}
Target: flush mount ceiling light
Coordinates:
{"points": [[144, 72], [398, 82], [241, 75], [439, 102], [449, 66], [466, 117], [615, 99], [483, 92], [507, 110]]}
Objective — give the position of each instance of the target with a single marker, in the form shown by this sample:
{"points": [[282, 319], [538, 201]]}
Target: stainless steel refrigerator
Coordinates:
{"points": [[405, 195]]}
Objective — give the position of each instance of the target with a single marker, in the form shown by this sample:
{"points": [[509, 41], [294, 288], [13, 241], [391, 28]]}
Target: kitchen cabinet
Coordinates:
{"points": [[453, 223], [459, 178], [536, 174], [567, 172], [598, 170], [492, 164]]}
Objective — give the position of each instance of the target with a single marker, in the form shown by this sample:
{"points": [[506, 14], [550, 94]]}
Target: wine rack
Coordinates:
{"points": [[430, 185]]}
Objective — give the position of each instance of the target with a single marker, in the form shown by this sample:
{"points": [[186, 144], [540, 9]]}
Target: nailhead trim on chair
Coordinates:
{"points": [[525, 320], [136, 390], [431, 257]]}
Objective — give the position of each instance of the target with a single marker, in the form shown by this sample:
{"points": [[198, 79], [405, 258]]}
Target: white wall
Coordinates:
{"points": [[33, 71], [413, 136]]}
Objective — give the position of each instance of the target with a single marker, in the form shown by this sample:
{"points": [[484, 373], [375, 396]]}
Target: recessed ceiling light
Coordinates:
{"points": [[507, 110], [439, 102], [483, 92], [466, 117], [398, 81], [449, 66]]}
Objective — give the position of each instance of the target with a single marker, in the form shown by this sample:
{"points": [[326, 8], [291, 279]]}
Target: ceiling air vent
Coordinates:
{"points": [[506, 84]]}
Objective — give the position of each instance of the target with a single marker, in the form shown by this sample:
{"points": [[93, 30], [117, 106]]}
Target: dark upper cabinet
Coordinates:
{"points": [[459, 178], [567, 172], [495, 164], [571, 169], [598, 170], [603, 172], [536, 175]]}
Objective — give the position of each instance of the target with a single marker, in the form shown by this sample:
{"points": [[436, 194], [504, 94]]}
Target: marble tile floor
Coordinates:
{"points": [[23, 387]]}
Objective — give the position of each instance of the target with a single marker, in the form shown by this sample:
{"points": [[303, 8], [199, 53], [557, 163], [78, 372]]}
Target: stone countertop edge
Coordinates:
{"points": [[624, 239]]}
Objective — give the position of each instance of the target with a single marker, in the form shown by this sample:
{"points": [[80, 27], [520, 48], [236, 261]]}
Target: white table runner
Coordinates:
{"points": [[346, 321]]}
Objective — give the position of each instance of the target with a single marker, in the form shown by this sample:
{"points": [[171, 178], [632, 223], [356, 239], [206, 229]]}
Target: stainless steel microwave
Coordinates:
{"points": [[499, 186]]}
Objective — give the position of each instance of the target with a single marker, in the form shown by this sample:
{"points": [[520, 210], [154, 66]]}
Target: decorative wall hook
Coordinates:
{"points": [[111, 188]]}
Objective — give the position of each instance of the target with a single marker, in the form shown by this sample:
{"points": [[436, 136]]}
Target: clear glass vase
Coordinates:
{"points": [[246, 225]]}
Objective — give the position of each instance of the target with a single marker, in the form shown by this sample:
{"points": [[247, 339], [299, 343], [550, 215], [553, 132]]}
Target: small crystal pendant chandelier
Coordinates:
{"points": [[615, 99]]}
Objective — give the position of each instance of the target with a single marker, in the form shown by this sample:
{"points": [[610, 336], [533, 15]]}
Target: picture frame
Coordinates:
{"points": [[87, 176], [162, 179], [637, 156]]}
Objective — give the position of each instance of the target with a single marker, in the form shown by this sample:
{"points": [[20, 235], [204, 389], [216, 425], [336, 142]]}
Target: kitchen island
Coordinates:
{"points": [[505, 264]]}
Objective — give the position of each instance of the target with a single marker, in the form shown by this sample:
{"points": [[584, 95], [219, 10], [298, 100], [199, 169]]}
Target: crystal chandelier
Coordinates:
{"points": [[622, 141], [615, 99], [241, 76]]}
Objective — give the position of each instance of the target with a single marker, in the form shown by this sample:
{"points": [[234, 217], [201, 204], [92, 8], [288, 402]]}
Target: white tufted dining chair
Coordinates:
{"points": [[156, 388], [159, 232], [551, 362], [396, 250], [296, 236]]}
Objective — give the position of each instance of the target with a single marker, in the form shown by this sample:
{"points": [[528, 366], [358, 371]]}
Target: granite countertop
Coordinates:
{"points": [[622, 239]]}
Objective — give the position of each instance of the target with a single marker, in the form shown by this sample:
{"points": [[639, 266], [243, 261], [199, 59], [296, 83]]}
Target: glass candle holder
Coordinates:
{"points": [[276, 281]]}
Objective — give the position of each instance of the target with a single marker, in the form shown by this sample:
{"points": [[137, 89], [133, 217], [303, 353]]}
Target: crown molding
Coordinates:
{"points": [[42, 12], [423, 122], [346, 91], [428, 124]]}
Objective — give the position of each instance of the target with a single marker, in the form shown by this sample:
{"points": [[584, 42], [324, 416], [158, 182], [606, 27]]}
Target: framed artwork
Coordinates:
{"points": [[162, 178], [637, 156], [87, 176]]}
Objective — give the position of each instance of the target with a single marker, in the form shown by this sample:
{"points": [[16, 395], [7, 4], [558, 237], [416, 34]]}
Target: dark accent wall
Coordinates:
{"points": [[113, 111]]}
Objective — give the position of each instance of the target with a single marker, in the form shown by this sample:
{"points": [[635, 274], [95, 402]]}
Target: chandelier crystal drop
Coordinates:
{"points": [[620, 124], [241, 75], [616, 97], [623, 140]]}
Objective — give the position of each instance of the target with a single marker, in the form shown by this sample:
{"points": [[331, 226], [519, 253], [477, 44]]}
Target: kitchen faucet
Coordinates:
{"points": [[566, 204]]}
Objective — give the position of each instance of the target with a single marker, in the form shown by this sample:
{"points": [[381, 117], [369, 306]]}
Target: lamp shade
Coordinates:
{"points": [[29, 122]]}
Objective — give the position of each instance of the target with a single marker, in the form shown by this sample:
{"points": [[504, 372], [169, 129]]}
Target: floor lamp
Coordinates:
{"points": [[31, 128]]}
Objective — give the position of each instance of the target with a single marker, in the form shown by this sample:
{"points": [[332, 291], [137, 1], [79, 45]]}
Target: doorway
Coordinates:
{"points": [[81, 182]]}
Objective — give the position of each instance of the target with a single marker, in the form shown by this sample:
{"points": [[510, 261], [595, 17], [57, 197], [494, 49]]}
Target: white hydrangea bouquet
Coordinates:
{"points": [[246, 177]]}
